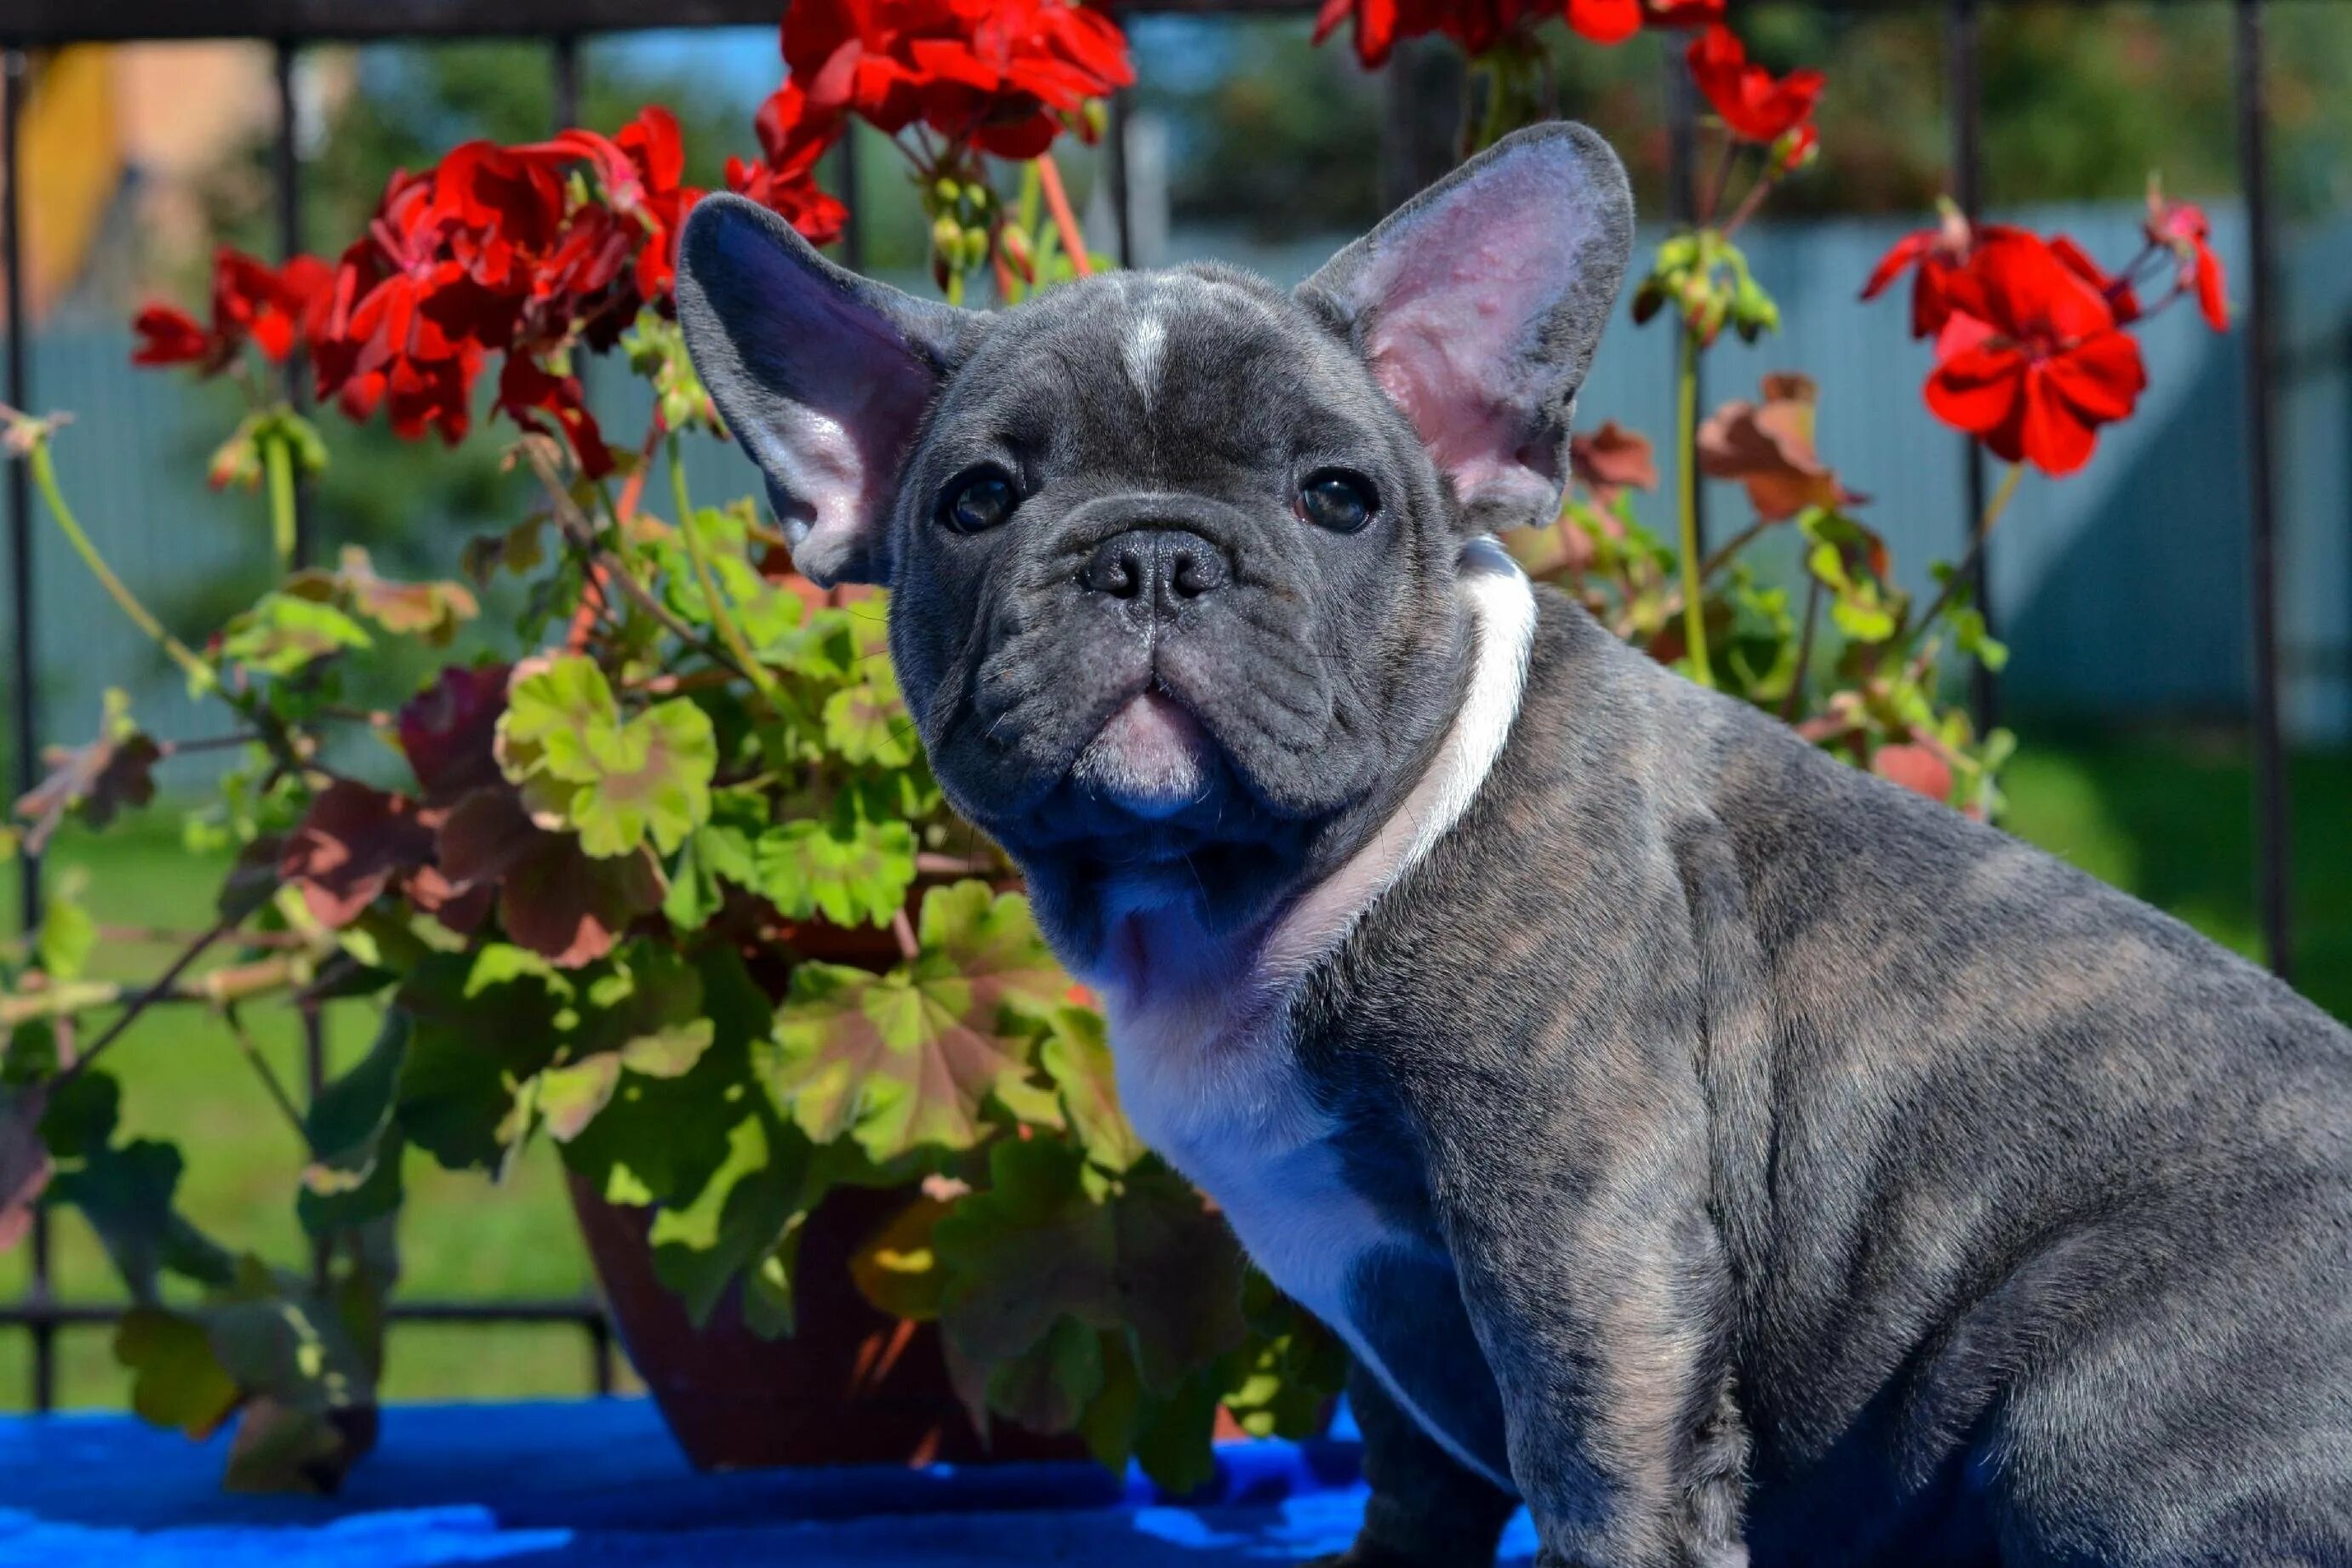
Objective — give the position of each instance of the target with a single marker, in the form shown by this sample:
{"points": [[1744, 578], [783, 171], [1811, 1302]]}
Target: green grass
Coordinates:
{"points": [[2165, 818]]}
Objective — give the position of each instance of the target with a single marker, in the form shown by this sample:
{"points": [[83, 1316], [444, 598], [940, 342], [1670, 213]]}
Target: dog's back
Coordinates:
{"points": [[2036, 1205]]}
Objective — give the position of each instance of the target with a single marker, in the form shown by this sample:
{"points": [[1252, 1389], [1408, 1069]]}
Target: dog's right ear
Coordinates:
{"points": [[824, 376]]}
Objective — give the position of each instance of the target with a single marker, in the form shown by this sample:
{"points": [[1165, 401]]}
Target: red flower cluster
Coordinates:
{"points": [[273, 308], [1480, 26], [2031, 355], [1002, 76], [495, 250], [1754, 104]]}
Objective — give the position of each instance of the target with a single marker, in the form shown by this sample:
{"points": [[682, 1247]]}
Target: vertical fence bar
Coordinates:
{"points": [[563, 64], [2272, 889], [853, 229], [15, 71], [1963, 88], [287, 175], [1122, 205], [1682, 207]]}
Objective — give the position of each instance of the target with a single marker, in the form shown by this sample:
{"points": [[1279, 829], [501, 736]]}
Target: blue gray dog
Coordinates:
{"points": [[1731, 1156]]}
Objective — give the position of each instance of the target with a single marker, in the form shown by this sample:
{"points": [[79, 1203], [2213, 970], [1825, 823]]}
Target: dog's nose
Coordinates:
{"points": [[1163, 568]]}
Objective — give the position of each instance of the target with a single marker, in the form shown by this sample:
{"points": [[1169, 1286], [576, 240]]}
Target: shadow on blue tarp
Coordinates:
{"points": [[600, 1485]]}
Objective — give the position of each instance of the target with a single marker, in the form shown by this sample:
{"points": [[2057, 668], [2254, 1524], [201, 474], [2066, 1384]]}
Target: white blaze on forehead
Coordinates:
{"points": [[1141, 349]]}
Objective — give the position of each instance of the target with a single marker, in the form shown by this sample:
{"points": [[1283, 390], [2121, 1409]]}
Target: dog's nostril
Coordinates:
{"points": [[1159, 566], [1189, 576], [1127, 575], [1116, 569]]}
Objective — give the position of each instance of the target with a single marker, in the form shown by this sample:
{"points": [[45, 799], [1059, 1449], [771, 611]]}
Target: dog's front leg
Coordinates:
{"points": [[1426, 1510], [1597, 1287]]}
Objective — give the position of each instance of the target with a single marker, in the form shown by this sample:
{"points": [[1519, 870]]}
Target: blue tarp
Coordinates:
{"points": [[599, 1485]]}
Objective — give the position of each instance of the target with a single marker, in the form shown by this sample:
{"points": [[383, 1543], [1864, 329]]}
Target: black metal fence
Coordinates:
{"points": [[289, 25]]}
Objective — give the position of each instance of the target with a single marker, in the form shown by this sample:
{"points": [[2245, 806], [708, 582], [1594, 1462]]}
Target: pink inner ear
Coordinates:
{"points": [[1454, 299]]}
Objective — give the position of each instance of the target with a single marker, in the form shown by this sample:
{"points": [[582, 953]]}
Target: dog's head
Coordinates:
{"points": [[1173, 553]]}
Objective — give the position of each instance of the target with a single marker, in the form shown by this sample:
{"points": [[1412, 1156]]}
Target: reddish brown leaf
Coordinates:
{"points": [[552, 898], [448, 729], [1768, 447], [99, 779], [351, 844], [1611, 459]]}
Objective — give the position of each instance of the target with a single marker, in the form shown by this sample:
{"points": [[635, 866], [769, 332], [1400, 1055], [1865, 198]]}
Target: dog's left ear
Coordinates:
{"points": [[1478, 304], [823, 375]]}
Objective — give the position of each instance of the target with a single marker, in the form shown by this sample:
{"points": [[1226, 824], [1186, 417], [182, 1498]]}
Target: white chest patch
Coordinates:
{"points": [[1206, 1068]]}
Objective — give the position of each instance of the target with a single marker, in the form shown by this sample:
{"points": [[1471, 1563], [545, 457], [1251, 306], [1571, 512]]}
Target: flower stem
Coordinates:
{"points": [[200, 674], [721, 620], [1057, 202], [1963, 571], [1686, 487], [277, 462]]}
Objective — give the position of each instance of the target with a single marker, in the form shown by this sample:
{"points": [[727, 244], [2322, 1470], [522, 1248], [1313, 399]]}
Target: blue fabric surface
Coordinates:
{"points": [[598, 1484]]}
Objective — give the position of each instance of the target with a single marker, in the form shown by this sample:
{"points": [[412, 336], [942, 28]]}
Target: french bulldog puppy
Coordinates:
{"points": [[1731, 1155]]}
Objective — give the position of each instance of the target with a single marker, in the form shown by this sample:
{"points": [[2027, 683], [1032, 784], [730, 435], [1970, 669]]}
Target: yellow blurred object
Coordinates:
{"points": [[74, 165]]}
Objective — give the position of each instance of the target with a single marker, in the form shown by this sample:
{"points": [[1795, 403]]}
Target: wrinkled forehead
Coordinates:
{"points": [[1217, 359]]}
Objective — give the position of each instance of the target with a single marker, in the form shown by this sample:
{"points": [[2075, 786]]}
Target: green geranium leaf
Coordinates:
{"points": [[852, 871], [910, 1059], [571, 1097], [175, 1379], [126, 1193], [1077, 1055], [552, 709], [719, 850], [866, 723], [1030, 1247], [620, 784], [739, 1216], [1172, 1436], [68, 934], [1046, 1388], [355, 1176], [283, 632], [431, 610], [989, 939]]}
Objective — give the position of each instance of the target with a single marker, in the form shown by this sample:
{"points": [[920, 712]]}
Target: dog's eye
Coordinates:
{"points": [[1336, 499], [978, 500]]}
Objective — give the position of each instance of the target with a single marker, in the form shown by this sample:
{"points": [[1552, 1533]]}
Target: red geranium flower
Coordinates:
{"points": [[1939, 252], [2183, 228], [2030, 359], [1614, 21], [642, 172], [1756, 105], [994, 74], [273, 308], [1478, 25], [793, 138]]}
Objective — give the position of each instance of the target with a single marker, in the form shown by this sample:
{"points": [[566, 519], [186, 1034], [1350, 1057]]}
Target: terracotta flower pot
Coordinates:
{"points": [[850, 1386]]}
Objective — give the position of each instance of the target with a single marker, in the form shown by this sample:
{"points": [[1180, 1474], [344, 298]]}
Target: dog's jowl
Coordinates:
{"points": [[1731, 1155]]}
